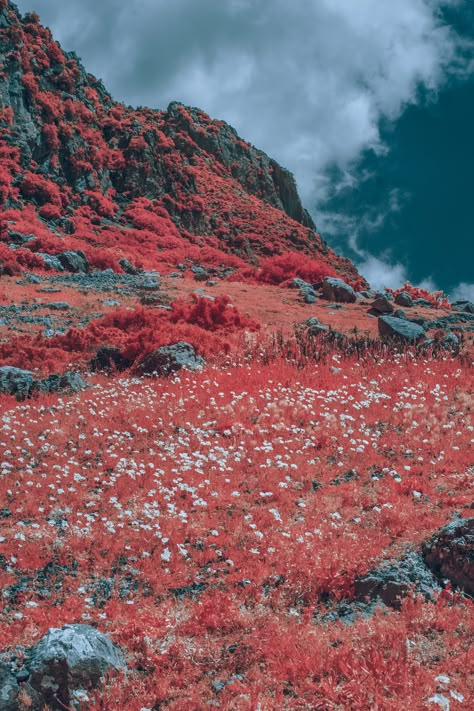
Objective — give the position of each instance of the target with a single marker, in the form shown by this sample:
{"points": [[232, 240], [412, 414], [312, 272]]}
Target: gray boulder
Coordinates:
{"points": [[72, 658], [128, 267], [67, 383], [74, 261], [382, 305], [51, 262], [464, 306], [297, 283], [393, 327], [58, 305], [9, 690], [395, 579], [404, 299], [170, 359], [200, 274], [335, 289], [450, 553], [14, 381]]}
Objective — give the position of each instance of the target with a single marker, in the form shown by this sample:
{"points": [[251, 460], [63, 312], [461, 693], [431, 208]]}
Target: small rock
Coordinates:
{"points": [[68, 383], [128, 267], [14, 381], [392, 327], [404, 299], [58, 306], [450, 553], [382, 305], [335, 289], [111, 302], [51, 262], [74, 261], [200, 274], [170, 359]]}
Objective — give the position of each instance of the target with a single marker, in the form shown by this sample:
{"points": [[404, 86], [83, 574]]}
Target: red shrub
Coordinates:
{"points": [[282, 267], [436, 298], [211, 315], [39, 188]]}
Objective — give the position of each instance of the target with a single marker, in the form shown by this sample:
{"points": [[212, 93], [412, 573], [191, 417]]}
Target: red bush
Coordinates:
{"points": [[436, 298], [282, 267], [39, 188]]}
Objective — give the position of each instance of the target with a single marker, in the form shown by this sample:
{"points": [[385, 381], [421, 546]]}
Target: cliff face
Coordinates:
{"points": [[79, 160]]}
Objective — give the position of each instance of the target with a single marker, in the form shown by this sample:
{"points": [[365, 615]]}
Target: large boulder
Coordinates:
{"points": [[69, 659], [400, 329], [14, 381], [395, 579], [51, 262], [335, 289], [170, 359], [9, 690], [450, 554], [74, 261]]}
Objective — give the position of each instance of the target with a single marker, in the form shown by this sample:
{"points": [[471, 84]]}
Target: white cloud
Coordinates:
{"points": [[463, 291], [381, 272]]}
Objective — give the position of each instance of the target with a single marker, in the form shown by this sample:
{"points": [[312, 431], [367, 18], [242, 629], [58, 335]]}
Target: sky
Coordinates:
{"points": [[370, 103]]}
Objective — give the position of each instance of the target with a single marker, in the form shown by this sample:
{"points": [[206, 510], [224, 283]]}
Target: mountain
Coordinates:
{"points": [[135, 180]]}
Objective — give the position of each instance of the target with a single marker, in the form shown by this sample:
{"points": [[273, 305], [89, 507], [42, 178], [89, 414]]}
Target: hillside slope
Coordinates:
{"points": [[134, 181]]}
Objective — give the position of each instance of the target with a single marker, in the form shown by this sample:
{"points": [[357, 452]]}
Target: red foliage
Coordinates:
{"points": [[212, 315], [283, 267], [12, 261], [39, 188], [436, 298]]}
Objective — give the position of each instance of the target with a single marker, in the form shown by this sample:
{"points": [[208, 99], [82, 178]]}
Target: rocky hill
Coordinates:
{"points": [[111, 176]]}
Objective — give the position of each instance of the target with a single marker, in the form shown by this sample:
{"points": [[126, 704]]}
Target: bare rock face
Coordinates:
{"points": [[170, 359], [450, 554], [335, 289], [69, 659]]}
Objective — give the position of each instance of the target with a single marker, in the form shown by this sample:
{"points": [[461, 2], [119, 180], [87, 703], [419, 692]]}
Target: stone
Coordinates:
{"points": [[394, 579], [74, 261], [335, 289], [200, 274], [299, 284], [51, 262], [128, 267], [109, 358], [397, 328], [58, 306], [463, 305], [399, 313], [404, 299], [15, 381], [316, 328], [18, 238], [170, 359], [72, 658], [450, 554], [67, 383], [382, 305], [423, 302], [450, 341], [9, 690]]}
